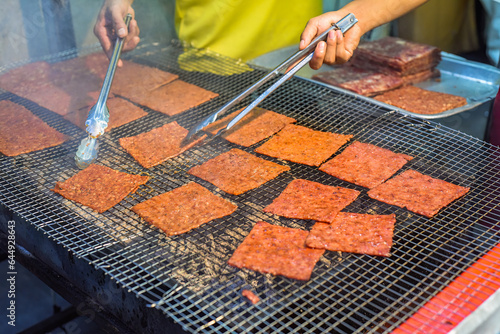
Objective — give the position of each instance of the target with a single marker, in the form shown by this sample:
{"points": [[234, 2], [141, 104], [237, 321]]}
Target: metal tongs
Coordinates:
{"points": [[98, 118], [300, 58]]}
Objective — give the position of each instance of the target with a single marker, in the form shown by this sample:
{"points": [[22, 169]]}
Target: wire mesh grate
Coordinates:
{"points": [[187, 276]]}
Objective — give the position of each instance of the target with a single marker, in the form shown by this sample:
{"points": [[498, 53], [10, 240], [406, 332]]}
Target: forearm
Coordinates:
{"points": [[373, 13]]}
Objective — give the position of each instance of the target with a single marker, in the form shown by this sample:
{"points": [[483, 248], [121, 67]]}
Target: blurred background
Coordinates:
{"points": [[30, 29]]}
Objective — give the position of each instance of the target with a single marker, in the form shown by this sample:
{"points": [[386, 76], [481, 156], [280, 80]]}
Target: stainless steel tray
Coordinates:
{"points": [[477, 82]]}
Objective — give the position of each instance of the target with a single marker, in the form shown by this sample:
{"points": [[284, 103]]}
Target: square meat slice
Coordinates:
{"points": [[354, 233], [303, 199], [136, 82], [276, 250], [303, 145], [25, 79], [177, 97], [79, 73], [417, 192], [23, 132], [94, 64], [158, 145], [365, 164], [421, 101], [183, 209], [359, 80], [63, 100], [69, 85], [237, 171], [99, 187], [121, 112], [257, 125], [392, 54]]}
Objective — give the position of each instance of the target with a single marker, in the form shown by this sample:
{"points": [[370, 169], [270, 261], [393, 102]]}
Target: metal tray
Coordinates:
{"points": [[477, 82]]}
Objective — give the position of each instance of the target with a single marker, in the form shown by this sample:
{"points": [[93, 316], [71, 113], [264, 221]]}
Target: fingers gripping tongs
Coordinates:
{"points": [[300, 58]]}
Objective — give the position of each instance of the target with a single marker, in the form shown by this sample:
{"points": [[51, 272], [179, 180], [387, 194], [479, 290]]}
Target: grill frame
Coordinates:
{"points": [[142, 260]]}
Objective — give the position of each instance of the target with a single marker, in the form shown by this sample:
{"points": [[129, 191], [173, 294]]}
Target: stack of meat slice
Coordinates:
{"points": [[383, 65], [413, 62]]}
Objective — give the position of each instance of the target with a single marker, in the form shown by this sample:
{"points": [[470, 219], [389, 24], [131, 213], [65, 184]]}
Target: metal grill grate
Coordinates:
{"points": [[187, 276]]}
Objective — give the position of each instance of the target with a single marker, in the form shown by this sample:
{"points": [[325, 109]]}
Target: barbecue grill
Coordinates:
{"points": [[187, 277]]}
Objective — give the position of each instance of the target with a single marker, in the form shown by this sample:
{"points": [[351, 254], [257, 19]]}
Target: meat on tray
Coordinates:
{"points": [[237, 171], [177, 97], [158, 145], [383, 65], [365, 164], [99, 187], [276, 250], [303, 145], [394, 55], [303, 199], [354, 233], [22, 132], [257, 125], [421, 101], [421, 76], [121, 112], [417, 192], [183, 209], [361, 81]]}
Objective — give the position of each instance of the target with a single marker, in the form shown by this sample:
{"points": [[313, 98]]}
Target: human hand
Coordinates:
{"points": [[110, 25], [338, 48]]}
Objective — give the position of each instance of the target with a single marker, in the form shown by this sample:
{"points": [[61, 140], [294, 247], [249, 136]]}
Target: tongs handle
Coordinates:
{"points": [[113, 62], [343, 25]]}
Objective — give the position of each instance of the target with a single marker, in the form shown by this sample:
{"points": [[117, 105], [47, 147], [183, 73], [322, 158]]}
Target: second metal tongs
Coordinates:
{"points": [[300, 58], [98, 118]]}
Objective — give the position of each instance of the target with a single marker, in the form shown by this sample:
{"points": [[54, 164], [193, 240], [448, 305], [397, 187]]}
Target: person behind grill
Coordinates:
{"points": [[235, 28], [247, 29]]}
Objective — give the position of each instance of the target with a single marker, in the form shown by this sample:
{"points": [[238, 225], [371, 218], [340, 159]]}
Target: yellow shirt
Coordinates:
{"points": [[243, 29]]}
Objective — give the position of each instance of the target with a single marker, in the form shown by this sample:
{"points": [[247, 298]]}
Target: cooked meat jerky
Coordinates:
{"points": [[257, 125], [303, 145], [365, 164], [99, 187], [121, 112], [354, 233], [395, 55], [252, 297], [276, 250], [177, 97], [417, 192], [362, 81], [183, 209], [136, 82], [156, 146], [23, 132], [421, 101], [237, 171], [305, 199]]}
